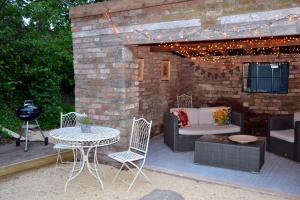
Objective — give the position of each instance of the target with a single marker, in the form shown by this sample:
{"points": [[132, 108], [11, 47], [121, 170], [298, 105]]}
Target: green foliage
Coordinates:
{"points": [[36, 59], [86, 121], [8, 119], [4, 136]]}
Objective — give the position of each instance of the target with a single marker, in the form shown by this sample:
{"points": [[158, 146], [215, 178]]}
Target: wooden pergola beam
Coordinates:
{"points": [[244, 44], [206, 48]]}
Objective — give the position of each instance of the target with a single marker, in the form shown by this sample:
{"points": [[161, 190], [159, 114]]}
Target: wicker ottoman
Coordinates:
{"points": [[219, 152]]}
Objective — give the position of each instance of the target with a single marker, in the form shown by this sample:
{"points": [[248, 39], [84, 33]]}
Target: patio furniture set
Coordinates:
{"points": [[211, 142], [70, 136]]}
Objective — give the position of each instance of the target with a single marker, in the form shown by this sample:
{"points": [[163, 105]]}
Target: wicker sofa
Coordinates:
{"points": [[201, 123], [283, 136]]}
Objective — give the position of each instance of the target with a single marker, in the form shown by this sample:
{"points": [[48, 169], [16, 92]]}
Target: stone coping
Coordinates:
{"points": [[33, 163], [116, 6]]}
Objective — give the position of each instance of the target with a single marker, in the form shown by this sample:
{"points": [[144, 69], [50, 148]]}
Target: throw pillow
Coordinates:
{"points": [[182, 117], [176, 114], [222, 116]]}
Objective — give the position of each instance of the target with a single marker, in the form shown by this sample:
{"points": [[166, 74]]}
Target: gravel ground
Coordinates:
{"points": [[46, 183]]}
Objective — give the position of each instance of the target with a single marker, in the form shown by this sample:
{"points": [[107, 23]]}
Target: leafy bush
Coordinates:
{"points": [[4, 136], [8, 118], [35, 60]]}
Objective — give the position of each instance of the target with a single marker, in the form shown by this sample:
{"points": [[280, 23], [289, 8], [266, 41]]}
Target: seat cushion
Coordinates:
{"points": [[286, 135], [296, 117], [209, 129], [193, 115]]}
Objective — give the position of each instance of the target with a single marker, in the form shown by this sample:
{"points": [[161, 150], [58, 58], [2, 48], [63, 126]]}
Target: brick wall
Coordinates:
{"points": [[211, 18], [106, 83], [156, 96], [105, 86], [221, 83]]}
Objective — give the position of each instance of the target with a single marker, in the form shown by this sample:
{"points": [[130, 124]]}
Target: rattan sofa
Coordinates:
{"points": [[177, 139], [283, 136]]}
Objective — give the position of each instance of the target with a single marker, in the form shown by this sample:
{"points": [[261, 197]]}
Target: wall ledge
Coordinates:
{"points": [[116, 6]]}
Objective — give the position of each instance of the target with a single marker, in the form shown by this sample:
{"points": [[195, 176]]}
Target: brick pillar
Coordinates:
{"points": [[107, 88]]}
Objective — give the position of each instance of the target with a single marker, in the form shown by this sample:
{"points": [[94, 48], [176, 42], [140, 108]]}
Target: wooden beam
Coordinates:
{"points": [[239, 44], [207, 48], [246, 44], [161, 49]]}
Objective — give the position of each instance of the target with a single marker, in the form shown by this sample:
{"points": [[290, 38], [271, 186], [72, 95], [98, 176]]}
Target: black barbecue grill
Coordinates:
{"points": [[29, 114]]}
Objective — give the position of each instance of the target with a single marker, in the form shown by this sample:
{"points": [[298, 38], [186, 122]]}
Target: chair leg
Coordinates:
{"points": [[74, 162], [115, 178], [75, 155], [134, 179], [58, 158], [137, 174], [146, 177]]}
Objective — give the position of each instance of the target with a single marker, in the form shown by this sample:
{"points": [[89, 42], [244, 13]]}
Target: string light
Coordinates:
{"points": [[216, 51]]}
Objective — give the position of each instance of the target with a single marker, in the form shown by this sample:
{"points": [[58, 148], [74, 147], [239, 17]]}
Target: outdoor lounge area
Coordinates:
{"points": [[277, 176], [168, 99]]}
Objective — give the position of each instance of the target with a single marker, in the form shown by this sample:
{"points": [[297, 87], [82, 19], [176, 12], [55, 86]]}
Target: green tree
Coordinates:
{"points": [[36, 58]]}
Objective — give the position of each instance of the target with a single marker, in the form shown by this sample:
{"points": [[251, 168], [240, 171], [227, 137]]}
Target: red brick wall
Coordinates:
{"points": [[156, 96], [106, 85], [221, 83]]}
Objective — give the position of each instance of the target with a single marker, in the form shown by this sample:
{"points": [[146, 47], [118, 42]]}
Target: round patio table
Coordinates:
{"points": [[85, 142]]}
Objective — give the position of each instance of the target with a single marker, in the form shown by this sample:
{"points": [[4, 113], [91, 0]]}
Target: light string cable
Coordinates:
{"points": [[221, 46]]}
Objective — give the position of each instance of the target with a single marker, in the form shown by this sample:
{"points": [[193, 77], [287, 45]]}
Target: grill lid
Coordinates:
{"points": [[28, 111]]}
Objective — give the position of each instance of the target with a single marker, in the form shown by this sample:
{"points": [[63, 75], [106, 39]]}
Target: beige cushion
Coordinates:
{"points": [[286, 135], [209, 129], [192, 114], [296, 117], [175, 109], [206, 115]]}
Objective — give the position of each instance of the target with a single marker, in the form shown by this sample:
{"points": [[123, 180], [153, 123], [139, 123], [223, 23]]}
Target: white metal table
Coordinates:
{"points": [[85, 142]]}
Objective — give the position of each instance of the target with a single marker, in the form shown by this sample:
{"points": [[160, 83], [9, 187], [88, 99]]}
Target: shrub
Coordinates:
{"points": [[4, 136]]}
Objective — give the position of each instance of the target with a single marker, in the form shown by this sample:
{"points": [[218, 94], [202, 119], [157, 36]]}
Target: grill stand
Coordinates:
{"points": [[30, 125]]}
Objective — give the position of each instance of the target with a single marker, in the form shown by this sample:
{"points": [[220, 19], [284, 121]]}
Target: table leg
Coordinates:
{"points": [[96, 161], [95, 167], [85, 160]]}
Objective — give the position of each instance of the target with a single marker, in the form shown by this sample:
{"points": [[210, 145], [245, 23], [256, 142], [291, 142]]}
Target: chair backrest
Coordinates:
{"points": [[184, 101], [70, 119], [140, 134]]}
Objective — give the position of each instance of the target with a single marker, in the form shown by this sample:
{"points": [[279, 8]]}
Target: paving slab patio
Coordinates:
{"points": [[11, 154], [278, 175]]}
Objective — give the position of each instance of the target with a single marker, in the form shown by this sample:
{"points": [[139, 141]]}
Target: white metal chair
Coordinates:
{"points": [[184, 101], [138, 147], [70, 119]]}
